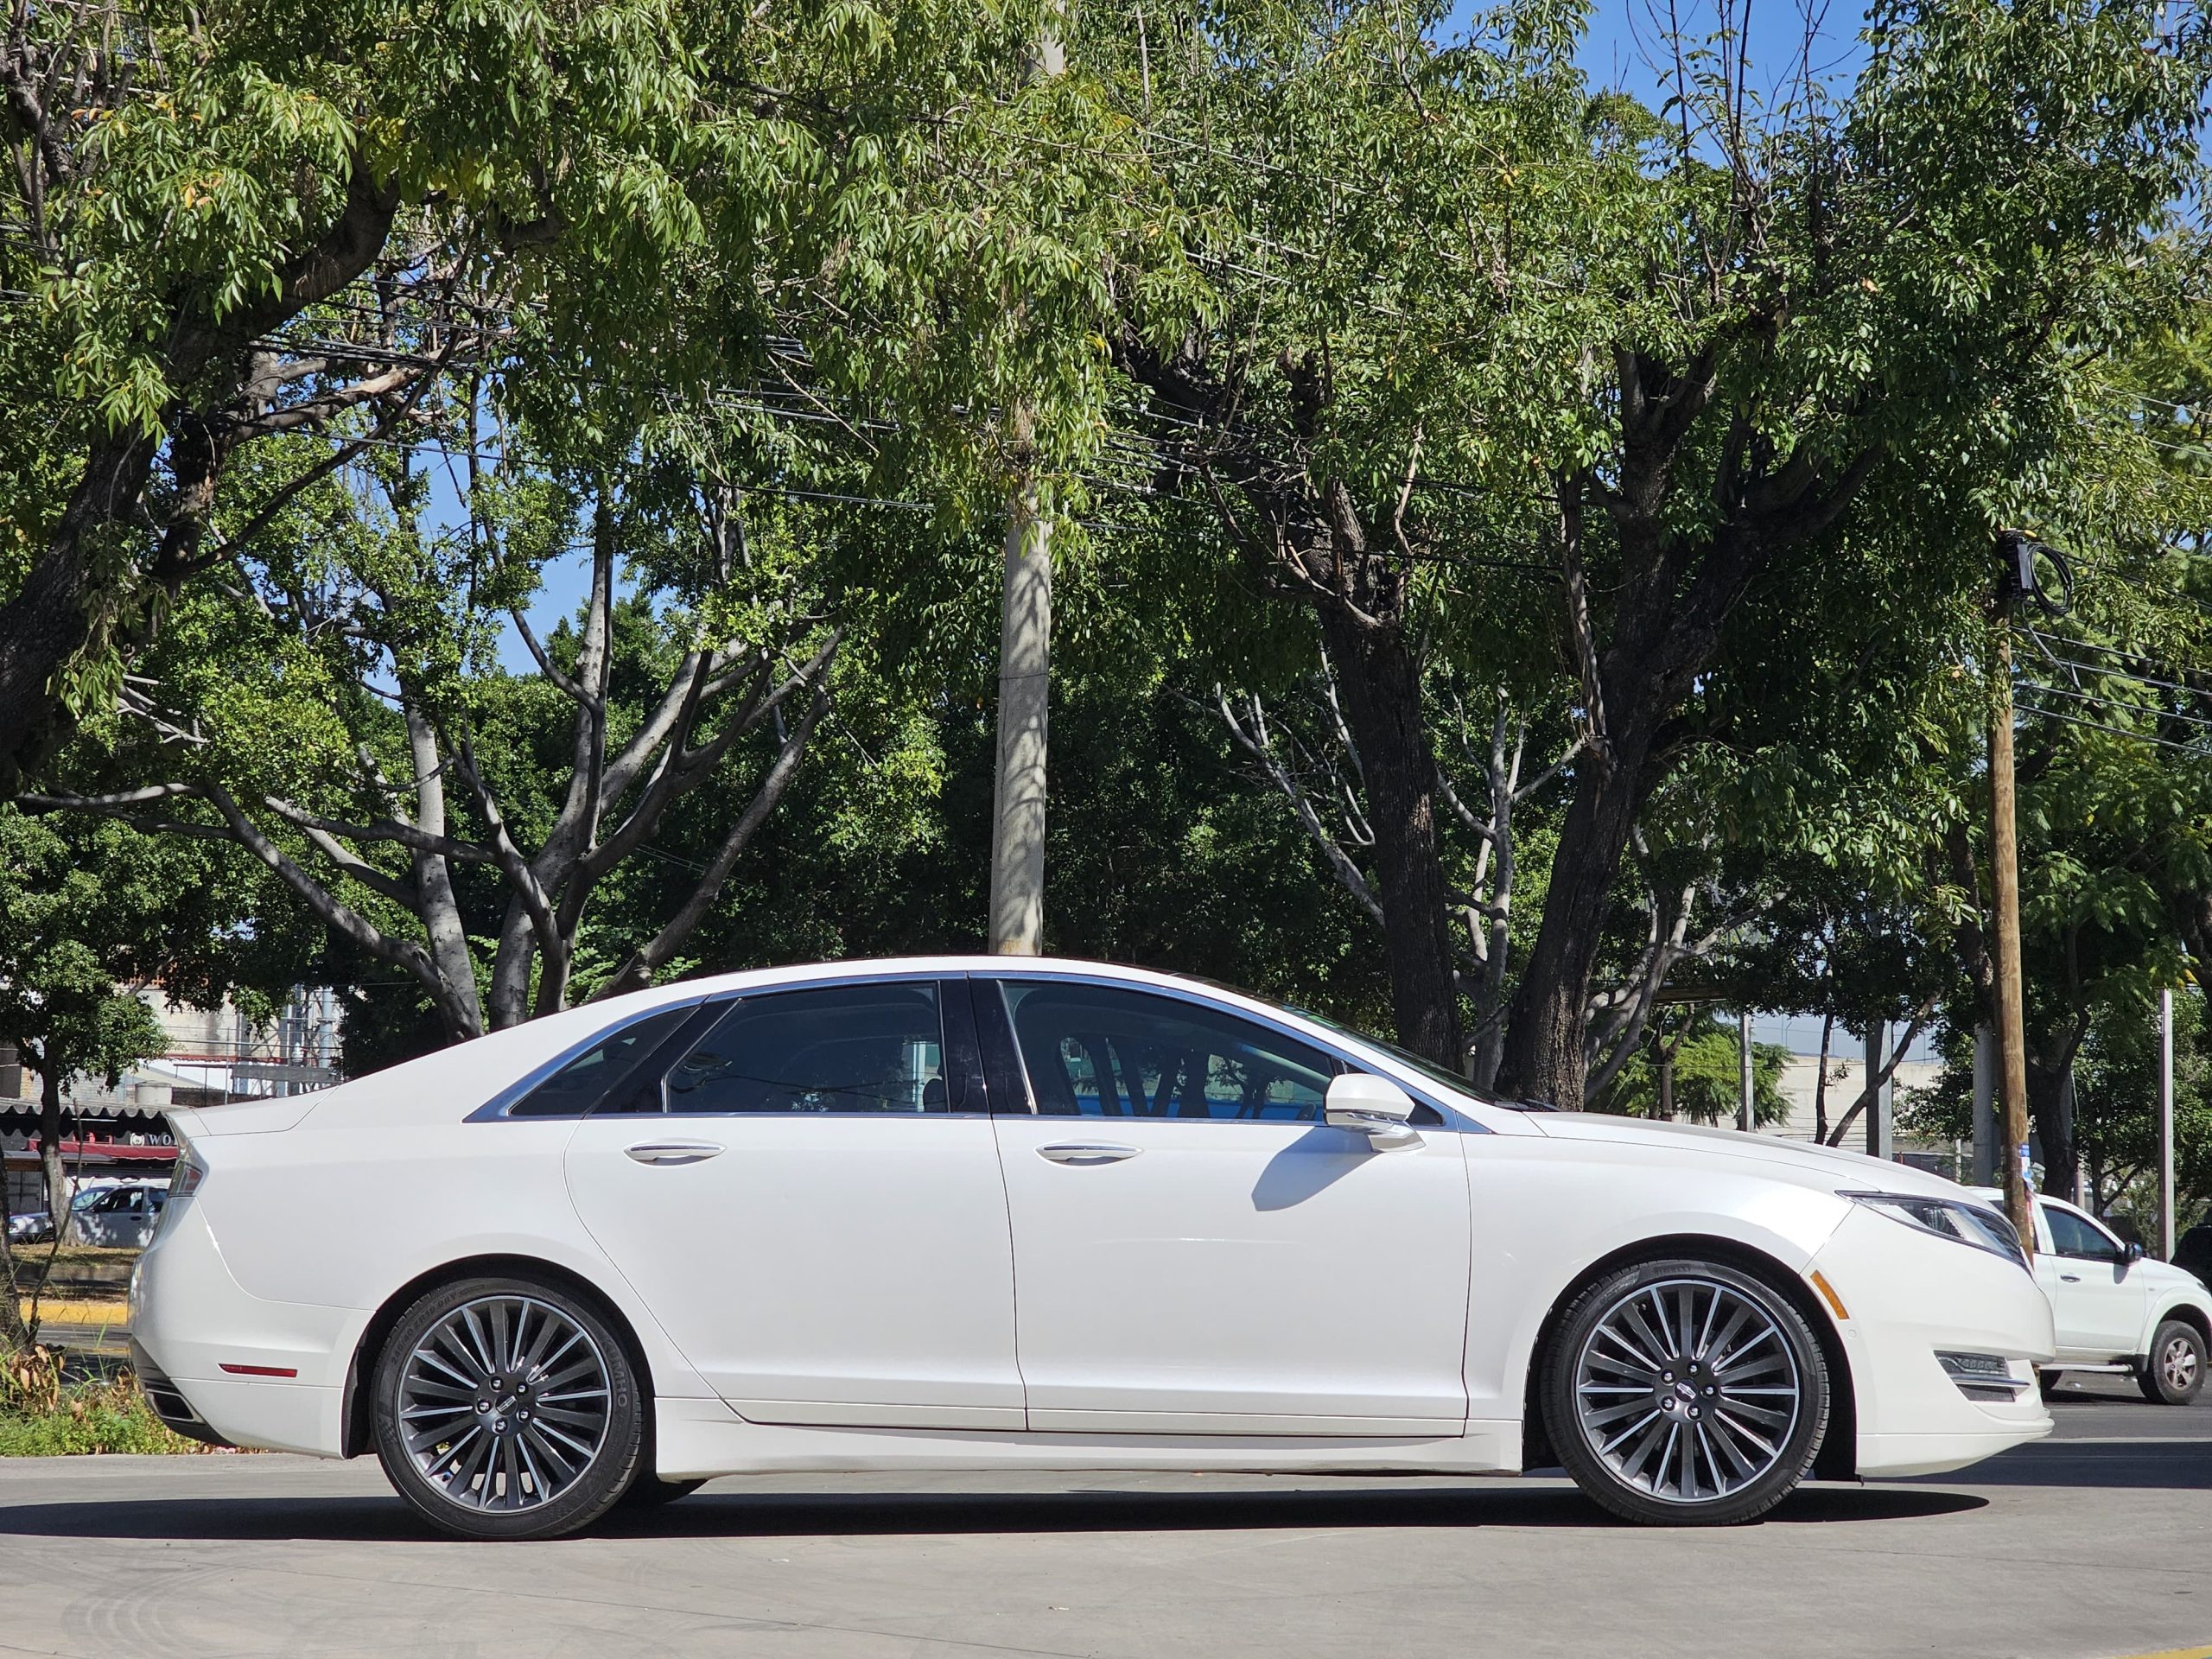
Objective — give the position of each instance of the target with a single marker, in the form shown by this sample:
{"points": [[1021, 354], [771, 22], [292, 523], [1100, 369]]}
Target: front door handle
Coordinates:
{"points": [[2069, 1278], [673, 1152], [1086, 1152]]}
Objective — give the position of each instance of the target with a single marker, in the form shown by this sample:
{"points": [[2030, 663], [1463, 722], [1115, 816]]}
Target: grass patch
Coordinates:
{"points": [[31, 1260], [41, 1415], [54, 1310]]}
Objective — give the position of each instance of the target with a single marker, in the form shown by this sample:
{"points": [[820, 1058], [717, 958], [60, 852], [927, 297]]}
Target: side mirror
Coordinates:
{"points": [[1374, 1107], [2134, 1252]]}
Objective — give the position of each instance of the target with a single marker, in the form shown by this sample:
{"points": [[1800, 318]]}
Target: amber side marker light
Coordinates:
{"points": [[1828, 1295], [260, 1370]]}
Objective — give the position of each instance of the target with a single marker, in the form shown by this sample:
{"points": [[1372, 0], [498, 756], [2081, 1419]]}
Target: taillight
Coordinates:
{"points": [[185, 1178]]}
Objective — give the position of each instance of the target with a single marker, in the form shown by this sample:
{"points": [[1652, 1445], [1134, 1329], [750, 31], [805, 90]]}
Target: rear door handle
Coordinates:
{"points": [[2069, 1278], [1086, 1152], [673, 1152]]}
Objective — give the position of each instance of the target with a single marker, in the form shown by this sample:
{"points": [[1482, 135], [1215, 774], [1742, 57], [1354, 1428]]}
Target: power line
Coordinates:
{"points": [[2090, 699], [2117, 731]]}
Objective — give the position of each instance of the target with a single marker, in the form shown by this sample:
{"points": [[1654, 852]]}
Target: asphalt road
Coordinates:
{"points": [[2093, 1545]]}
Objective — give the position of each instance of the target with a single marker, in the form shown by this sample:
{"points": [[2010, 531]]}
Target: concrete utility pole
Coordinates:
{"points": [[1985, 1128], [2166, 1126], [1743, 1115], [1025, 670], [2005, 878], [1881, 1109], [1024, 682]]}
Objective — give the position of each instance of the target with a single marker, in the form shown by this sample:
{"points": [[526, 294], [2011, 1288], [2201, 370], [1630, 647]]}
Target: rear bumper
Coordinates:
{"points": [[206, 1350], [169, 1401]]}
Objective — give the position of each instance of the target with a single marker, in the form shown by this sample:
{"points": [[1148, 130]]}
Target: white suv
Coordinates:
{"points": [[2117, 1310]]}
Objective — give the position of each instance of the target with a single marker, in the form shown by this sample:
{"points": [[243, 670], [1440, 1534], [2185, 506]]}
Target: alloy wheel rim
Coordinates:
{"points": [[1688, 1390], [503, 1403], [2179, 1363]]}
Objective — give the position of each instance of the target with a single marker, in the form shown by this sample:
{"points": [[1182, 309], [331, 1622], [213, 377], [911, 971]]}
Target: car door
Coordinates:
{"points": [[807, 1197], [2097, 1305], [1195, 1251]]}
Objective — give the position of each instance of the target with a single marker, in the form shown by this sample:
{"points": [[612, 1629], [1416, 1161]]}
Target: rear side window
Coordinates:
{"points": [[840, 1048], [601, 1069]]}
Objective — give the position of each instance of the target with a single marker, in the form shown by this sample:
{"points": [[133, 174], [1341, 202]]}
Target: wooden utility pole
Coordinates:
{"points": [[2011, 1113]]}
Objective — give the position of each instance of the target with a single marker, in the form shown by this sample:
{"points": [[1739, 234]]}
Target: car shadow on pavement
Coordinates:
{"points": [[738, 1514], [2139, 1463]]}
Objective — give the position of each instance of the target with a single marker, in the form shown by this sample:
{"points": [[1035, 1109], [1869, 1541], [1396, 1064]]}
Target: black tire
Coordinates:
{"points": [[2047, 1383], [438, 1479], [2174, 1375], [1764, 1462], [650, 1491]]}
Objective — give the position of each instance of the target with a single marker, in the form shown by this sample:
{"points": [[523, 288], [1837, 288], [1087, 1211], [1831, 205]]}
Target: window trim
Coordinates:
{"points": [[1455, 1120]]}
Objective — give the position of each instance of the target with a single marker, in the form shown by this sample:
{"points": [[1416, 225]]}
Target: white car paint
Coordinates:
{"points": [[2107, 1308], [839, 1291]]}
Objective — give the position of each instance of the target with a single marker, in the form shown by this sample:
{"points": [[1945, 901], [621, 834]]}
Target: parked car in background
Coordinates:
{"points": [[775, 1221], [2194, 1253], [117, 1214], [2117, 1311]]}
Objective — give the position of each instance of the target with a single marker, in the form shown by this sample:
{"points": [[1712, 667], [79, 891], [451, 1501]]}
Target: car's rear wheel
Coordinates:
{"points": [[1685, 1393], [2175, 1374], [507, 1409]]}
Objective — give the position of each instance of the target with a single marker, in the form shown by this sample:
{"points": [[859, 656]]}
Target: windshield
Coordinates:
{"points": [[1444, 1076]]}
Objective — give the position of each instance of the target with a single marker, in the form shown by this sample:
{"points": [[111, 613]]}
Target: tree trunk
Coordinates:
{"points": [[2047, 1110], [49, 1148], [1381, 686], [48, 620], [15, 1335], [1544, 1053]]}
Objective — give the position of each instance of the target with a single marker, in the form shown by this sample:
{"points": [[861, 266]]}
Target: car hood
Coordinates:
{"points": [[1828, 1167]]}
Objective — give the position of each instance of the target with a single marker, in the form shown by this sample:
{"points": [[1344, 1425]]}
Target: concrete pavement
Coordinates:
{"points": [[2093, 1545]]}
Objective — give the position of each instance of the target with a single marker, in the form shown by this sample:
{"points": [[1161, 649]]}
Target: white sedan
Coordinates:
{"points": [[997, 1214], [2115, 1310]]}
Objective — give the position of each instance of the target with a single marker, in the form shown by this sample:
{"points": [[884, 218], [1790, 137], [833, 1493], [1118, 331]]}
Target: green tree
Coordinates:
{"points": [[1465, 314], [93, 919], [1707, 1054]]}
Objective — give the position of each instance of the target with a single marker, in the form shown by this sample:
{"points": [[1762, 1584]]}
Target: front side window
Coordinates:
{"points": [[842, 1048], [600, 1069], [1096, 1050], [2071, 1235]]}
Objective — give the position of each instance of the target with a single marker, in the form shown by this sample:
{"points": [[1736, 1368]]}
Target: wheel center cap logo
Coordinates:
{"points": [[1684, 1391]]}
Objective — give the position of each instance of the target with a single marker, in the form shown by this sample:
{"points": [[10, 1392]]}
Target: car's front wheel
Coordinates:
{"points": [[1685, 1393], [2175, 1374], [507, 1409]]}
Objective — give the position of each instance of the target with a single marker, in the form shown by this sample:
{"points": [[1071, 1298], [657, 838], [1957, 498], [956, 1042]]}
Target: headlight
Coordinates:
{"points": [[1952, 1218]]}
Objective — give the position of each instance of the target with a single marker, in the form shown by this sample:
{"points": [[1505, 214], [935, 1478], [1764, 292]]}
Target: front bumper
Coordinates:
{"points": [[1909, 1296]]}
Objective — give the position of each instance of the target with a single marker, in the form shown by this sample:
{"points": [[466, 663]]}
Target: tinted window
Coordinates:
{"points": [[584, 1081], [1095, 1051], [2071, 1235], [845, 1048]]}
